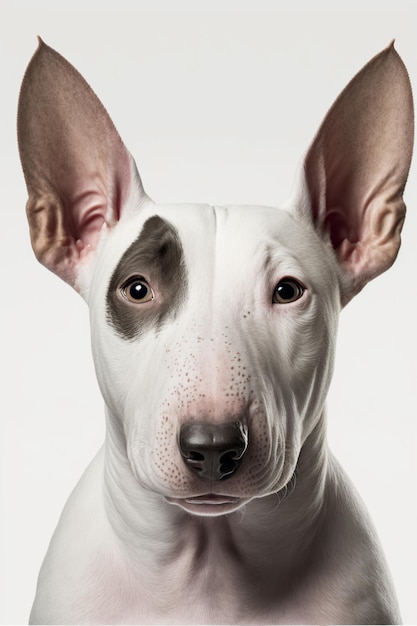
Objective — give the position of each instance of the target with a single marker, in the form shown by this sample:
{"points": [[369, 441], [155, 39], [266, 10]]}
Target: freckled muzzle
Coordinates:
{"points": [[213, 452]]}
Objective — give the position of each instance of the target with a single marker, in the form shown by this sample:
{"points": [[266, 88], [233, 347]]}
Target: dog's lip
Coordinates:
{"points": [[208, 504], [211, 499]]}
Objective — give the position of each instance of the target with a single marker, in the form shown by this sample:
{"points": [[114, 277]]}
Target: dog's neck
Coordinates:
{"points": [[279, 528]]}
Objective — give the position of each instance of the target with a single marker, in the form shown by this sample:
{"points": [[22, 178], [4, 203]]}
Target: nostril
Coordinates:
{"points": [[229, 463], [192, 455], [194, 460]]}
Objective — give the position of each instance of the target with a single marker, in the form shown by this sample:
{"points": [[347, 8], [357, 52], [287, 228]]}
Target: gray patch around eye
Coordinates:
{"points": [[156, 254]]}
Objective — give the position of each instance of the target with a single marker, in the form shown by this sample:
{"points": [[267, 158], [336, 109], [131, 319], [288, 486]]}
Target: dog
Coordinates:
{"points": [[215, 498]]}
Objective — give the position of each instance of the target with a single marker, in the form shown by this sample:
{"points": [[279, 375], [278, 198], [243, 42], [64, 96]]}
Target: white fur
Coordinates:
{"points": [[136, 558]]}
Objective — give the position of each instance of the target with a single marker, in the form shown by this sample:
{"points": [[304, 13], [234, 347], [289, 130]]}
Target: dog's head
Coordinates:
{"points": [[214, 327]]}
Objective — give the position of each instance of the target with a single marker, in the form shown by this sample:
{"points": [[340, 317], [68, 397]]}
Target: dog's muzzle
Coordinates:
{"points": [[213, 451]]}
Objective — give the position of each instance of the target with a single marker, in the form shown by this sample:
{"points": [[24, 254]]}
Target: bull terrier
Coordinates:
{"points": [[215, 498]]}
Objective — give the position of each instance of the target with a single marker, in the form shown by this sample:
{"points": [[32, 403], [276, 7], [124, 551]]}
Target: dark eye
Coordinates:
{"points": [[288, 290], [137, 290]]}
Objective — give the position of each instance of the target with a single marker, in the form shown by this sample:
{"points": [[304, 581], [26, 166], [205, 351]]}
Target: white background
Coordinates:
{"points": [[217, 101]]}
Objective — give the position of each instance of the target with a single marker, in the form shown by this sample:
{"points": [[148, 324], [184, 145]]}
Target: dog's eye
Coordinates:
{"points": [[137, 290], [288, 290]]}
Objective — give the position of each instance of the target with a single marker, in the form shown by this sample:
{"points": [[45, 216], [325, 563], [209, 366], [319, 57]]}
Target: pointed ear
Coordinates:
{"points": [[79, 175], [356, 169]]}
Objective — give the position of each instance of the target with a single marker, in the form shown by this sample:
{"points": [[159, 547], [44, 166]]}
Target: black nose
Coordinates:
{"points": [[213, 451]]}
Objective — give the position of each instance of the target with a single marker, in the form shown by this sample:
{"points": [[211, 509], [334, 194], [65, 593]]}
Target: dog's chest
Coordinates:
{"points": [[191, 586], [212, 593]]}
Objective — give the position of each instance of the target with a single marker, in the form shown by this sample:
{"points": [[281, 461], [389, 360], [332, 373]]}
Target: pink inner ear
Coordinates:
{"points": [[357, 167], [89, 228], [339, 229], [78, 172]]}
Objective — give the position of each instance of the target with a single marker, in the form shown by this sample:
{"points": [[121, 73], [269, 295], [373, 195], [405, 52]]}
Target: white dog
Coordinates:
{"points": [[214, 498]]}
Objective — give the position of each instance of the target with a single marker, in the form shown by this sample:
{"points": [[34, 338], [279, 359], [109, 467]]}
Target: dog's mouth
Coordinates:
{"points": [[209, 504]]}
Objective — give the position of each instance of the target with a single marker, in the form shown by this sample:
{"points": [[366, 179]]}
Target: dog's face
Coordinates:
{"points": [[214, 314], [213, 327]]}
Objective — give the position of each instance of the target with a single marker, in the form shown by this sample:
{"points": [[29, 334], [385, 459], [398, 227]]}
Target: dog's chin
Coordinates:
{"points": [[209, 505], [215, 504]]}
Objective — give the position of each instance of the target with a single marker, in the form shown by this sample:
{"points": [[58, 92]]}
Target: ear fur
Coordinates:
{"points": [[80, 177], [78, 173], [356, 169]]}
